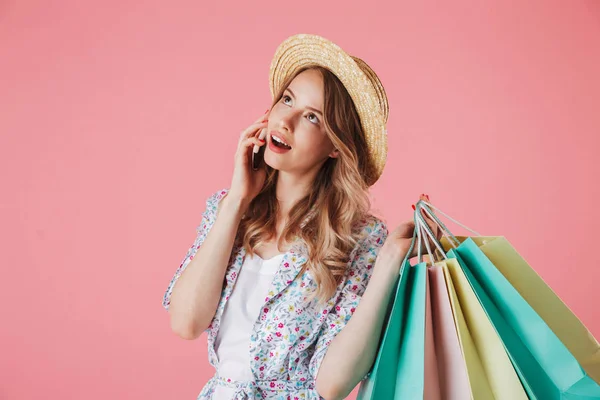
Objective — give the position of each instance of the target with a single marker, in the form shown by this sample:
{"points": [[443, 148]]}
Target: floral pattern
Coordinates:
{"points": [[291, 335]]}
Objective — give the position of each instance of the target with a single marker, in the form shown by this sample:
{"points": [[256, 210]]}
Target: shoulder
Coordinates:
{"points": [[212, 202], [210, 210], [372, 231], [217, 196]]}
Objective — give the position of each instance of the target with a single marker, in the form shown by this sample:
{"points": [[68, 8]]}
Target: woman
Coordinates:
{"points": [[283, 257]]}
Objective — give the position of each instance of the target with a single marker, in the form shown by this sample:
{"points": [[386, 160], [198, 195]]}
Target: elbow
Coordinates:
{"points": [[329, 394], [325, 384], [332, 386], [187, 334], [328, 391], [186, 329]]}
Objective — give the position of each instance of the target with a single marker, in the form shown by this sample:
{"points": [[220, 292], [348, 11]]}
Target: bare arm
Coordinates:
{"points": [[197, 292], [352, 353], [194, 292]]}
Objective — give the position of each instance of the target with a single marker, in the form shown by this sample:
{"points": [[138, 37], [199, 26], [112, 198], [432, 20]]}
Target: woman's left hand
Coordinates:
{"points": [[398, 241]]}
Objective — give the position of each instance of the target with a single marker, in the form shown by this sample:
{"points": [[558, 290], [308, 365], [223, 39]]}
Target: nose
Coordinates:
{"points": [[289, 119]]}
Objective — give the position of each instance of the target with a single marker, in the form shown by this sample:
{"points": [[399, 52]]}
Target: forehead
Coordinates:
{"points": [[308, 88]]}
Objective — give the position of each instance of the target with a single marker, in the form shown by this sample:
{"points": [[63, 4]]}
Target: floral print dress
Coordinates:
{"points": [[291, 336]]}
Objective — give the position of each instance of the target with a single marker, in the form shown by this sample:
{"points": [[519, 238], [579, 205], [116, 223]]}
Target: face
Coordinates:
{"points": [[297, 119]]}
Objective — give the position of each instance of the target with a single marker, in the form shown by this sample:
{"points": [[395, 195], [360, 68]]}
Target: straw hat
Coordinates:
{"points": [[358, 78]]}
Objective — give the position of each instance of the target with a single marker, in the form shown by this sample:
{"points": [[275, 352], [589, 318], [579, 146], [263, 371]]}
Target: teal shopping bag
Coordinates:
{"points": [[545, 366], [398, 371], [410, 374], [386, 362]]}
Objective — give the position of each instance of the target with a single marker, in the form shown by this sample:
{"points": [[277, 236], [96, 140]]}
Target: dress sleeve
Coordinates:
{"points": [[208, 218], [355, 285]]}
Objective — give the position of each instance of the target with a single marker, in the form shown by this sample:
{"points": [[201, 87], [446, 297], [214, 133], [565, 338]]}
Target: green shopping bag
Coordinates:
{"points": [[374, 386], [410, 375], [398, 371], [544, 364]]}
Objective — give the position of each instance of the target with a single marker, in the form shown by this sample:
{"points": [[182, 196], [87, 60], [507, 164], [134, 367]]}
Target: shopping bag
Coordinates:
{"points": [[406, 365], [380, 383], [432, 389], [403, 364], [545, 366], [547, 369], [563, 322], [491, 373], [410, 374], [452, 370]]}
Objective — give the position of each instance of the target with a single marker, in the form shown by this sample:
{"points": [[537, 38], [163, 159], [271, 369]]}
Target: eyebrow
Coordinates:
{"points": [[310, 108]]}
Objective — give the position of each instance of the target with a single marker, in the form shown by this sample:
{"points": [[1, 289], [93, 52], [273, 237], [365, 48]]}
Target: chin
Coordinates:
{"points": [[272, 163]]}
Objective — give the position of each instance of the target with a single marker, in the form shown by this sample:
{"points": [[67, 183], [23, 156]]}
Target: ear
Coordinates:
{"points": [[334, 154]]}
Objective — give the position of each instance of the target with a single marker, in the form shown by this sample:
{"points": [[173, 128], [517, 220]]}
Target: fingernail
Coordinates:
{"points": [[414, 208], [427, 196]]}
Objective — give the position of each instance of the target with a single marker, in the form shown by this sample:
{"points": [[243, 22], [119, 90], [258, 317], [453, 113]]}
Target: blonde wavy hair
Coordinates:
{"points": [[338, 197]]}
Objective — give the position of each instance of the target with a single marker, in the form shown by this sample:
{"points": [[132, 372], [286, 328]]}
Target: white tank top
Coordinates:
{"points": [[241, 312]]}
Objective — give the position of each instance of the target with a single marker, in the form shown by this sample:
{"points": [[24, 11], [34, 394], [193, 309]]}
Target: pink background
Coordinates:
{"points": [[119, 118]]}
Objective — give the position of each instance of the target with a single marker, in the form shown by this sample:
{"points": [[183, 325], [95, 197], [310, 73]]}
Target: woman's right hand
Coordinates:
{"points": [[247, 183]]}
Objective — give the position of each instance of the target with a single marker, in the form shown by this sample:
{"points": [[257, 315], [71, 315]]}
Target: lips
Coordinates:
{"points": [[280, 136], [275, 149]]}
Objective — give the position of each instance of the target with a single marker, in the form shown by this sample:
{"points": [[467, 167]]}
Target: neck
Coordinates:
{"points": [[289, 190]]}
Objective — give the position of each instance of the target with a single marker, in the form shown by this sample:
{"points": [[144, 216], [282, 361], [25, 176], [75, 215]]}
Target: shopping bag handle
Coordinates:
{"points": [[422, 204], [422, 227], [421, 230]]}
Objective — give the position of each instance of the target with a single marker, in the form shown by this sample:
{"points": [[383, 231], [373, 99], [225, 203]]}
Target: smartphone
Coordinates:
{"points": [[258, 158]]}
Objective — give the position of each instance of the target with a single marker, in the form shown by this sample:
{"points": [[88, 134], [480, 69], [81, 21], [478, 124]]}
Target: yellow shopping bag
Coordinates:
{"points": [[490, 370]]}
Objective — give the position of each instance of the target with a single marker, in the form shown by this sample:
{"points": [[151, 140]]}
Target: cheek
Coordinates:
{"points": [[325, 147], [314, 142]]}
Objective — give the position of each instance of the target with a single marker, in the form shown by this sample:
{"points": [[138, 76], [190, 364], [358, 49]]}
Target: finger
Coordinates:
{"points": [[428, 248], [253, 141], [262, 134], [245, 145], [252, 130], [405, 230], [433, 228], [247, 142], [261, 137], [436, 228], [427, 217]]}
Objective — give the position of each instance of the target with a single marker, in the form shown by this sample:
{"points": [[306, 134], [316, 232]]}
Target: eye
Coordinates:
{"points": [[316, 119]]}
